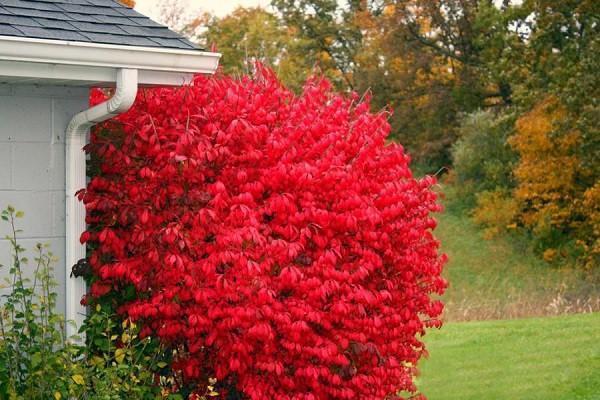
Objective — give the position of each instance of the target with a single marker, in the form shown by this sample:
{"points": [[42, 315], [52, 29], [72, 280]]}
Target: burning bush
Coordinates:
{"points": [[276, 241]]}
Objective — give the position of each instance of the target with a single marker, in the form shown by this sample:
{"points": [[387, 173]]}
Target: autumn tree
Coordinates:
{"points": [[455, 47], [561, 67], [547, 168]]}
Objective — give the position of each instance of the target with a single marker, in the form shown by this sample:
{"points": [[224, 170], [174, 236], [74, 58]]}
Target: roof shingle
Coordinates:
{"points": [[95, 21]]}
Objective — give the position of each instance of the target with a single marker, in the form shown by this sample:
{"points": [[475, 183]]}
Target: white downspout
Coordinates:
{"points": [[76, 138]]}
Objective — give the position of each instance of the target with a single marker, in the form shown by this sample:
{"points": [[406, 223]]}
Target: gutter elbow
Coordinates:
{"points": [[125, 93], [121, 101]]}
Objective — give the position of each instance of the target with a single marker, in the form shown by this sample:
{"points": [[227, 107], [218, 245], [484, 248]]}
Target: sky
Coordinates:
{"points": [[218, 7]]}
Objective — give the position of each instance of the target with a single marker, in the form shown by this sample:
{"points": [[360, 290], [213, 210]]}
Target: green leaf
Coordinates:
{"points": [[36, 359]]}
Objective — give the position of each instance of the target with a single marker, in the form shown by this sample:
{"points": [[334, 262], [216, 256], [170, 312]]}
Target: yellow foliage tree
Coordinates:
{"points": [[548, 166], [551, 183]]}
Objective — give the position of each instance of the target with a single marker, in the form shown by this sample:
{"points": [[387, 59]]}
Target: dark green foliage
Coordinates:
{"points": [[481, 157]]}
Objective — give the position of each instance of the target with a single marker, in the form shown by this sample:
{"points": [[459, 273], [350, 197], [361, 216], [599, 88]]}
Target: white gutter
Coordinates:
{"points": [[61, 52], [76, 138]]}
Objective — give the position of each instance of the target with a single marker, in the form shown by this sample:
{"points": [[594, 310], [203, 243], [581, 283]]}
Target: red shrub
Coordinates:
{"points": [[277, 239]]}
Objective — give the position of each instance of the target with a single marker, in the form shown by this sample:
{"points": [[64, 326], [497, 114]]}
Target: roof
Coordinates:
{"points": [[92, 21]]}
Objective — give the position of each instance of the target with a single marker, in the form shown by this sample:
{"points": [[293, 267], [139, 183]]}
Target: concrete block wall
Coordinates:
{"points": [[33, 120]]}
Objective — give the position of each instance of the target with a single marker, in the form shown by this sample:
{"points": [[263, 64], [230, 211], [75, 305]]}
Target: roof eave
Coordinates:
{"points": [[161, 65]]}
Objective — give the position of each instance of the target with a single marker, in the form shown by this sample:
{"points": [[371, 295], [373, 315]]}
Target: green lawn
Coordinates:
{"points": [[552, 358], [510, 356]]}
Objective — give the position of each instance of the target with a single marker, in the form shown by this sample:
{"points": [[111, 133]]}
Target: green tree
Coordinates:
{"points": [[248, 35], [330, 36], [482, 158]]}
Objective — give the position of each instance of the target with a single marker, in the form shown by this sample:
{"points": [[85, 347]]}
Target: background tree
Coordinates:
{"points": [[248, 35], [331, 38], [435, 65]]}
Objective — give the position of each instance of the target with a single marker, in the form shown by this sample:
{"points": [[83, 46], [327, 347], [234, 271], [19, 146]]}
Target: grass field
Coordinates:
{"points": [[503, 279], [490, 348], [552, 358]]}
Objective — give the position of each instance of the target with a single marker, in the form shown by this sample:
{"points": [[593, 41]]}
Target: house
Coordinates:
{"points": [[51, 53]]}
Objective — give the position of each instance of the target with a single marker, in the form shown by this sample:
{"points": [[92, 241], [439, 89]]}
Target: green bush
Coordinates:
{"points": [[482, 159], [37, 361]]}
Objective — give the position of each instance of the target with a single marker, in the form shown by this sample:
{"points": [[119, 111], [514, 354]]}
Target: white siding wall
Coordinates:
{"points": [[32, 166]]}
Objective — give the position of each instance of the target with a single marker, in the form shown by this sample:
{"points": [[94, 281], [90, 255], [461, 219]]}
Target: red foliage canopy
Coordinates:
{"points": [[277, 239]]}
